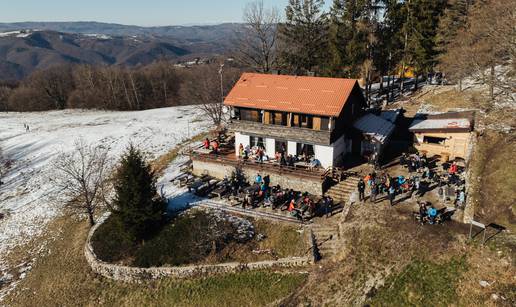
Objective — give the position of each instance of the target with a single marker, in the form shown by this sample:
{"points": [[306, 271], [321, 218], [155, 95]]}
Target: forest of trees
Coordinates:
{"points": [[362, 39], [476, 37], [109, 88], [368, 39]]}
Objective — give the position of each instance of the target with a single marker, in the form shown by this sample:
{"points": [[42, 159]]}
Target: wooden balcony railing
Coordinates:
{"points": [[316, 173]]}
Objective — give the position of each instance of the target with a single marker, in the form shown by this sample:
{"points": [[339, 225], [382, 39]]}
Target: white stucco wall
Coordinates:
{"points": [[340, 148], [270, 146], [324, 154], [240, 139], [291, 148]]}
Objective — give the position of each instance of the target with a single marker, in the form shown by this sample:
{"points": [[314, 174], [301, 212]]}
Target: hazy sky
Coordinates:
{"points": [[134, 12]]}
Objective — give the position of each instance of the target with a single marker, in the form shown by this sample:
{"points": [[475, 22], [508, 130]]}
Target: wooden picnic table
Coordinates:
{"points": [[303, 164], [203, 151]]}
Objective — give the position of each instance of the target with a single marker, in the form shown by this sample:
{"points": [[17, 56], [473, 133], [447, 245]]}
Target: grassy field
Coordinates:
{"points": [[198, 237], [494, 167], [422, 283], [63, 278]]}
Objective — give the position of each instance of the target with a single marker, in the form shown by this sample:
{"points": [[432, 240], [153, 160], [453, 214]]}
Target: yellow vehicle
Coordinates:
{"points": [[409, 72]]}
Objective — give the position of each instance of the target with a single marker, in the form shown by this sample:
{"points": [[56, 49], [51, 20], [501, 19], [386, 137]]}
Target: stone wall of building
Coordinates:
{"points": [[296, 134], [219, 169], [135, 274]]}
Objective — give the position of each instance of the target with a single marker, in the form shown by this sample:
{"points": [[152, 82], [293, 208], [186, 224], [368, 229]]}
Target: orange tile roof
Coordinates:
{"points": [[307, 95]]}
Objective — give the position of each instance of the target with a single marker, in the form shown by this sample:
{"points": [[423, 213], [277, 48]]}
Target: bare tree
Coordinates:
{"points": [[257, 45], [487, 40], [55, 83], [2, 167], [5, 92], [203, 86], [81, 178]]}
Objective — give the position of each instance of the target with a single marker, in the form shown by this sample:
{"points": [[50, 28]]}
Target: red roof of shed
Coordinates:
{"points": [[308, 95]]}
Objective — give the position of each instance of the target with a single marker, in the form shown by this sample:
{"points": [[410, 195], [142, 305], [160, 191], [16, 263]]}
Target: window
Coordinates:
{"points": [[325, 123], [306, 149], [301, 120], [280, 146], [434, 140], [279, 118], [307, 121], [250, 115], [256, 141]]}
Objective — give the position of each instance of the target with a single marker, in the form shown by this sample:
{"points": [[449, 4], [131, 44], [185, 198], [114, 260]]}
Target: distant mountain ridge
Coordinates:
{"points": [[27, 46], [195, 33]]}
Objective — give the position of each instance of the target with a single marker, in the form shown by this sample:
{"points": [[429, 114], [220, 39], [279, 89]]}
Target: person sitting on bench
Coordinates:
{"points": [[432, 214]]}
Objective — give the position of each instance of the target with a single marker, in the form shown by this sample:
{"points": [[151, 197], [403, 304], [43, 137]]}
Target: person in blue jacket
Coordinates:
{"points": [[432, 213], [258, 179]]}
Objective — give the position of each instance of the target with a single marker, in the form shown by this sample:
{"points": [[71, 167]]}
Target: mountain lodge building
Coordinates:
{"points": [[309, 116]]}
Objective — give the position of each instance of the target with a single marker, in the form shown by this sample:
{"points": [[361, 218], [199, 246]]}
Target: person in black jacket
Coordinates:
{"points": [[361, 190]]}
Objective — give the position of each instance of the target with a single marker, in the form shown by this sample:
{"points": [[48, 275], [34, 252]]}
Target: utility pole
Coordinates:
{"points": [[389, 85], [221, 70]]}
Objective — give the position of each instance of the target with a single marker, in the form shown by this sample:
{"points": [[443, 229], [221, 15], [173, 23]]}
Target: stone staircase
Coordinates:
{"points": [[342, 190], [327, 238]]}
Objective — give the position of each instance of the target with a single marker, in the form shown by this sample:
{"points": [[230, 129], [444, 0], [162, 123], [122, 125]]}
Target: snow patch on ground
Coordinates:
{"points": [[98, 36], [18, 33], [23, 196]]}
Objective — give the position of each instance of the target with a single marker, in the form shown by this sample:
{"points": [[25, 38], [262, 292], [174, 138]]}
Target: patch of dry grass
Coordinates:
{"points": [[380, 242], [445, 98], [63, 278], [286, 240], [493, 165]]}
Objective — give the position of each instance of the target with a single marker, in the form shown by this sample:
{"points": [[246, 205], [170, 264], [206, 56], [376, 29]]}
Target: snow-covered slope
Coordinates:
{"points": [[23, 196]]}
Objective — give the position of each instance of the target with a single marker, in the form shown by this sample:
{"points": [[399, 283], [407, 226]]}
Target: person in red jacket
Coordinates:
{"points": [[215, 146], [453, 168], [206, 144]]}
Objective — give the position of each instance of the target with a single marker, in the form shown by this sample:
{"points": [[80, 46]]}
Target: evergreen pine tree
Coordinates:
{"points": [[137, 204], [420, 30], [304, 37], [392, 38], [337, 40], [347, 37], [454, 17]]}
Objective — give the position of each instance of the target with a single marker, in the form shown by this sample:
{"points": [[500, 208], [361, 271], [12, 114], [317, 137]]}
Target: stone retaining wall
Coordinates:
{"points": [[219, 169], [135, 274], [472, 183]]}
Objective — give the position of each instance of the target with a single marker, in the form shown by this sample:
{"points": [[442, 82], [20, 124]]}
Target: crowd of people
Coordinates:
{"points": [[212, 145], [384, 185], [299, 205], [423, 176], [258, 154]]}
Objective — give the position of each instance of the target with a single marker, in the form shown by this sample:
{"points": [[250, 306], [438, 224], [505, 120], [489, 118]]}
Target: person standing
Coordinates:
{"points": [[241, 150], [392, 194], [258, 179], [215, 146], [462, 198], [260, 155], [361, 190], [374, 192]]}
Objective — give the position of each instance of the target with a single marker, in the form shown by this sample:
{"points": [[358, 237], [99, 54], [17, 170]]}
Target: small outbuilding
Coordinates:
{"points": [[446, 135], [376, 132]]}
